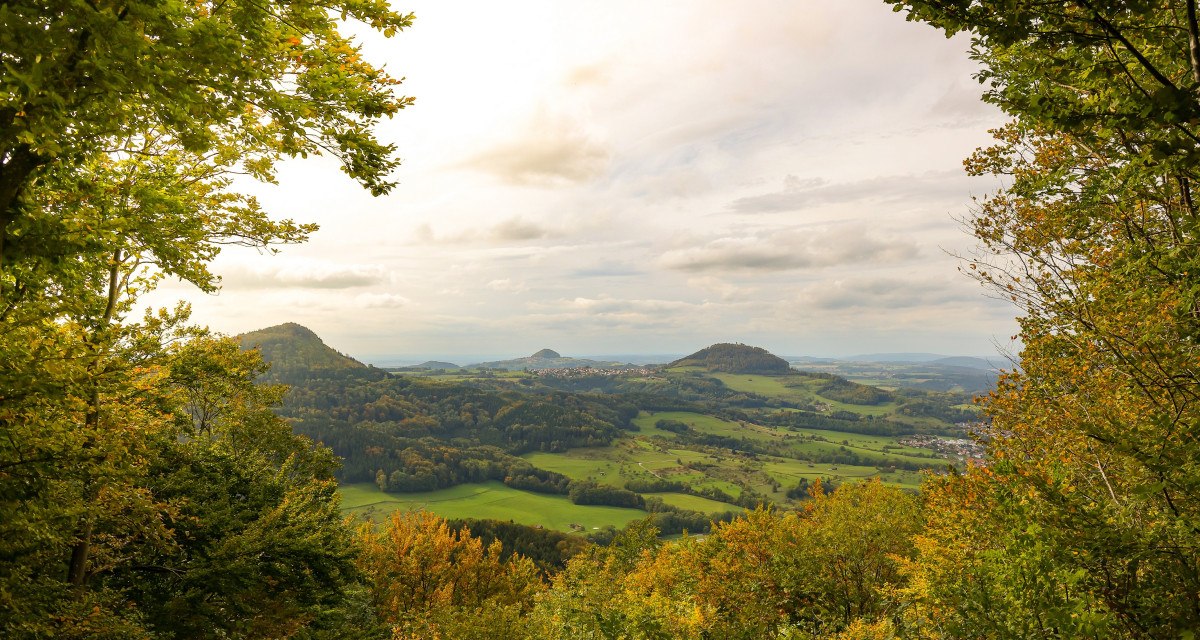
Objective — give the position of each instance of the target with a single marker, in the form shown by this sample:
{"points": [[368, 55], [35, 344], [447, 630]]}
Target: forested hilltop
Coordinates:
{"points": [[735, 358], [290, 348], [157, 481]]}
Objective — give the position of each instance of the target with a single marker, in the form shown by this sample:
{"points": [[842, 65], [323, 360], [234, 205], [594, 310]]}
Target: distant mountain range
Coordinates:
{"points": [[930, 358]]}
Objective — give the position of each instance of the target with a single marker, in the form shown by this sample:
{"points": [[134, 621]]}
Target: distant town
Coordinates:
{"points": [[584, 372]]}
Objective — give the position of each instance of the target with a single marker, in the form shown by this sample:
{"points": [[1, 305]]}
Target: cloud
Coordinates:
{"points": [[725, 290], [608, 270], [518, 229], [887, 293], [790, 249], [961, 105], [551, 151], [507, 286], [802, 193], [668, 220], [609, 314], [606, 306], [303, 275], [514, 229], [381, 301]]}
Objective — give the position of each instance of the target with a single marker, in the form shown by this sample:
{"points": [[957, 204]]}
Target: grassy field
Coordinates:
{"points": [[882, 450], [694, 503], [787, 472], [649, 454], [797, 388], [490, 500]]}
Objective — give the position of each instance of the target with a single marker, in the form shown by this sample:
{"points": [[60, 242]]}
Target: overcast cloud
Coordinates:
{"points": [[620, 177]]}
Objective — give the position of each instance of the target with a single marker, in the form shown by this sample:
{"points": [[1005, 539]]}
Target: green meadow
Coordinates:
{"points": [[489, 500], [649, 454], [797, 388], [694, 503], [882, 450]]}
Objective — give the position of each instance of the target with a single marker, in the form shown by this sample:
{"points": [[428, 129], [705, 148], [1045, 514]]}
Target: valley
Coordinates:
{"points": [[579, 449]]}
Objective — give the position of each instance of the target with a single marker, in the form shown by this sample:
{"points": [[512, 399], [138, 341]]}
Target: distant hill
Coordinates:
{"points": [[639, 358], [548, 359], [973, 363], [428, 365], [437, 364], [808, 360], [290, 347], [735, 358], [895, 357]]}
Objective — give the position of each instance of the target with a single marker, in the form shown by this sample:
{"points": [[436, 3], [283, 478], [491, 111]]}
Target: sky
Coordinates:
{"points": [[613, 177]]}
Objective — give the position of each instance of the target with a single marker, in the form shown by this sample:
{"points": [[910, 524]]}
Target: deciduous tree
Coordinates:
{"points": [[427, 580], [1087, 520], [121, 126]]}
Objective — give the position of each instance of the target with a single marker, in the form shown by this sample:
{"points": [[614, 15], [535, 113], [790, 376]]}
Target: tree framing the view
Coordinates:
{"points": [[122, 126], [1087, 520]]}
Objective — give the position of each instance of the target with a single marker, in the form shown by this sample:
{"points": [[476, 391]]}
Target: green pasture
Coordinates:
{"points": [[694, 503], [788, 473], [866, 443], [627, 459], [707, 424], [490, 500], [639, 459], [880, 457], [805, 442], [651, 453], [796, 388]]}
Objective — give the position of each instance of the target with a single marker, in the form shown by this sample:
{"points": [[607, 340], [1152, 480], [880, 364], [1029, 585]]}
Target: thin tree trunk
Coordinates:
{"points": [[1194, 42], [78, 572]]}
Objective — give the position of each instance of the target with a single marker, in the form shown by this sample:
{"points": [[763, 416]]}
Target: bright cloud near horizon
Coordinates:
{"points": [[618, 177]]}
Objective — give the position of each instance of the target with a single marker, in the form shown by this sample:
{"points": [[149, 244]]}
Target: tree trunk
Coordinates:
{"points": [[77, 574]]}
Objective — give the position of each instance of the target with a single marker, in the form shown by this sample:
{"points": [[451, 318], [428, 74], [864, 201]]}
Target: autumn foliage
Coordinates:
{"points": [[427, 580]]}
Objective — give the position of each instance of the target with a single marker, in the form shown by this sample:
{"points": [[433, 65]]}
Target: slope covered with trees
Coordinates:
{"points": [[292, 349]]}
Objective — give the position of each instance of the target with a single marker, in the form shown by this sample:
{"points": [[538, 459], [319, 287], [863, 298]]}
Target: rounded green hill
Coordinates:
{"points": [[735, 358], [290, 346]]}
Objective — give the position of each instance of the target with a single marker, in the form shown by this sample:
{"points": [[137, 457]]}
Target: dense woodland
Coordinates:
{"points": [[148, 488]]}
